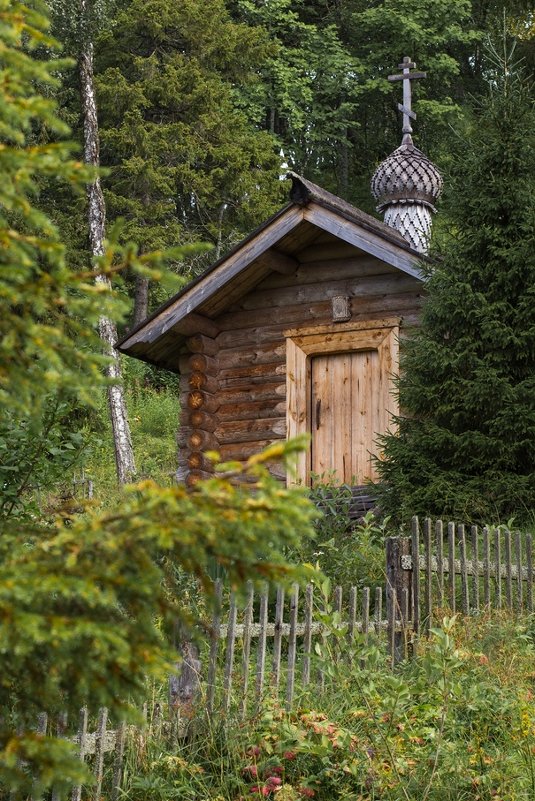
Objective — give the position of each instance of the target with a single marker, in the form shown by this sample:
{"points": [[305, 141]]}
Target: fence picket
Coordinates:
{"points": [[118, 762], [451, 565], [486, 565], [60, 732], [508, 570], [277, 641], [428, 607], [518, 555], [475, 574], [292, 646], [214, 647], [394, 657], [498, 563], [378, 610], [404, 621], [229, 653], [307, 644], [352, 614], [246, 652], [99, 752], [261, 654], [415, 577], [529, 564], [465, 602], [82, 737], [439, 534], [366, 612]]}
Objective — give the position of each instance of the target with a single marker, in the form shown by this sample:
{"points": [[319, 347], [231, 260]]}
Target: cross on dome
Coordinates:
{"points": [[407, 76]]}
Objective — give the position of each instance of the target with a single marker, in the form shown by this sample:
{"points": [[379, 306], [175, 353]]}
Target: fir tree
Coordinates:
{"points": [[465, 441]]}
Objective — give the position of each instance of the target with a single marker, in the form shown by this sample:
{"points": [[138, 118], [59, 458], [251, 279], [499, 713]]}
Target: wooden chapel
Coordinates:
{"points": [[297, 329]]}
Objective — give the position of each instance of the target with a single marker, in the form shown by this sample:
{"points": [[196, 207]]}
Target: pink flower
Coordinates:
{"points": [[250, 770], [289, 755]]}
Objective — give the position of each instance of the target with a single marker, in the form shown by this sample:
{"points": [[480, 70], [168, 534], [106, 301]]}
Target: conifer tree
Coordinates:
{"points": [[465, 444], [185, 163]]}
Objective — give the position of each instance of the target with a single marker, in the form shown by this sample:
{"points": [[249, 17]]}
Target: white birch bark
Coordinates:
{"points": [[124, 453]]}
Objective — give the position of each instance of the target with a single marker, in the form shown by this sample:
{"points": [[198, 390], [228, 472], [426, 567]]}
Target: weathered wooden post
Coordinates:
{"points": [[184, 688], [398, 585]]}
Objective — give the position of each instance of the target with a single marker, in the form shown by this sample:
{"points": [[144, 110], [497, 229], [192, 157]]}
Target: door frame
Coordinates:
{"points": [[302, 344]]}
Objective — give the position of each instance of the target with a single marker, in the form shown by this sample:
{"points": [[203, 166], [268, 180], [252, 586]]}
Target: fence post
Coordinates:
{"points": [[399, 580]]}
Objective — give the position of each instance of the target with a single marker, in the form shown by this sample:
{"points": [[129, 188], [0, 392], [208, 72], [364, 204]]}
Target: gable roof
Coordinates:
{"points": [[311, 209]]}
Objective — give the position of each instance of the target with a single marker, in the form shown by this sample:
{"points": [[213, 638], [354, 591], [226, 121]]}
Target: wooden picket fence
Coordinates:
{"points": [[266, 645], [274, 645]]}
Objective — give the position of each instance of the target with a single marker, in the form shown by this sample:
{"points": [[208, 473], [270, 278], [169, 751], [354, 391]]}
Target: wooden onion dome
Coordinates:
{"points": [[407, 184]]}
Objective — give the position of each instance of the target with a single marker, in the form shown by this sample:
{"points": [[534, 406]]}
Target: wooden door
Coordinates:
{"points": [[347, 412]]}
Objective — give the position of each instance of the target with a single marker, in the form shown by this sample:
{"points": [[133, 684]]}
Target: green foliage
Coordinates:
{"points": [[84, 610], [35, 452], [464, 445], [350, 552]]}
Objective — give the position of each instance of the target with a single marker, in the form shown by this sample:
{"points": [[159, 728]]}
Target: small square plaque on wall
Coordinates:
{"points": [[341, 309]]}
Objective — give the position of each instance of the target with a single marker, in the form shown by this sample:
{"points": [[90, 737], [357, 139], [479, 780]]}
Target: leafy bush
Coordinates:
{"points": [[349, 551]]}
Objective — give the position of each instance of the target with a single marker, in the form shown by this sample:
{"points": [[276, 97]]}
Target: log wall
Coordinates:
{"points": [[233, 389]]}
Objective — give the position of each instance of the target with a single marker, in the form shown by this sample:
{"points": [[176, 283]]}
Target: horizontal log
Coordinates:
{"points": [[320, 313], [389, 284], [202, 400], [329, 270], [201, 344], [241, 451], [197, 324], [329, 250], [259, 354], [246, 375], [251, 410], [198, 363], [256, 334], [251, 430], [266, 391], [199, 440], [203, 420], [194, 476], [237, 318], [202, 381], [277, 470], [198, 461], [279, 262]]}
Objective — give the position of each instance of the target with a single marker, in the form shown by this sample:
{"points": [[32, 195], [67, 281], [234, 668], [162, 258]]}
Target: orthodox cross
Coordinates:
{"points": [[407, 76]]}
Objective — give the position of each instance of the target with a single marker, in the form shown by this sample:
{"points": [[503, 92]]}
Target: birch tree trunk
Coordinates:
{"points": [[124, 454]]}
